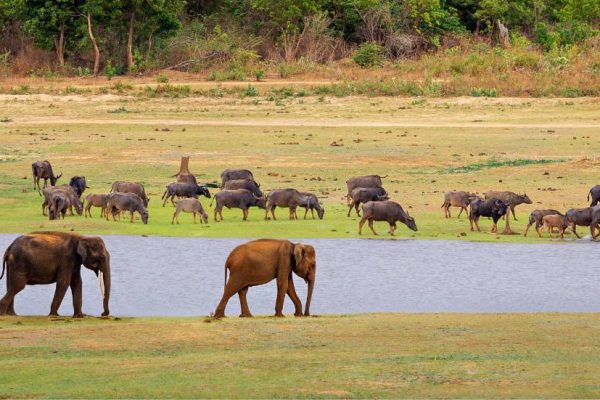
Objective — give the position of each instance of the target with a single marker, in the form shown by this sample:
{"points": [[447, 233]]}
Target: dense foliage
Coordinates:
{"points": [[118, 36]]}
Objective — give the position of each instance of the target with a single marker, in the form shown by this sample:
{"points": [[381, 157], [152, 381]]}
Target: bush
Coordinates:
{"points": [[251, 91], [162, 78], [368, 55], [484, 92]]}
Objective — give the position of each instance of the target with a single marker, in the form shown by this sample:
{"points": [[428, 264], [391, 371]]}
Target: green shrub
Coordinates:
{"points": [[259, 74], [251, 91], [484, 92], [368, 55], [110, 70], [84, 72], [162, 78]]}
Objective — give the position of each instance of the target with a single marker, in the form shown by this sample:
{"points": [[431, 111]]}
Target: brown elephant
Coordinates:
{"points": [[260, 261], [41, 258]]}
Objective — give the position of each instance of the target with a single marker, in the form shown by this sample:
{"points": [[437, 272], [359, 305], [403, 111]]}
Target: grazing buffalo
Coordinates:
{"points": [[290, 198], [595, 193], [118, 201], [247, 184], [238, 198], [363, 195], [233, 174], [183, 190], [457, 199], [58, 205], [510, 198], [79, 184], [96, 200], [367, 181], [73, 199], [43, 170], [536, 217], [131, 187], [493, 208], [581, 217], [555, 221], [190, 206], [386, 210], [310, 202]]}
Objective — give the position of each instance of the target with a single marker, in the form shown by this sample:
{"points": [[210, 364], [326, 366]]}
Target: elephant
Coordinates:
{"points": [[41, 258], [260, 261]]}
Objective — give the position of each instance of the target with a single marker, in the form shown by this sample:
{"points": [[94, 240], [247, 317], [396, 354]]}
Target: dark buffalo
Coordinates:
{"points": [[457, 199], [290, 198], [79, 184], [233, 174], [493, 208], [96, 200], [363, 195], [367, 181], [595, 193], [43, 170], [537, 217], [73, 199], [183, 190], [310, 202], [388, 211], [247, 184], [510, 198], [131, 187], [58, 205], [118, 201], [581, 217], [238, 198]]}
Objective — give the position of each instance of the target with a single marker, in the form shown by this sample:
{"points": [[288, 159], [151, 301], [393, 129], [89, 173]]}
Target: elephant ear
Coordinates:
{"points": [[298, 256], [82, 251]]}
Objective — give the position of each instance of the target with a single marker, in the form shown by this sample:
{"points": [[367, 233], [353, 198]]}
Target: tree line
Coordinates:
{"points": [[131, 35]]}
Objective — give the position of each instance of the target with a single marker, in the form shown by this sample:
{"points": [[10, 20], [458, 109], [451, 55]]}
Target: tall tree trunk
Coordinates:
{"points": [[59, 44], [130, 63], [95, 44]]}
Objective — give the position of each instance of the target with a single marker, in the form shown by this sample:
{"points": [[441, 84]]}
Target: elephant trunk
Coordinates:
{"points": [[106, 293], [311, 286]]}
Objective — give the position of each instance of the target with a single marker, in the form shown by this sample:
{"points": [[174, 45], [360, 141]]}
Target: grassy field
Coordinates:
{"points": [[376, 356], [547, 148]]}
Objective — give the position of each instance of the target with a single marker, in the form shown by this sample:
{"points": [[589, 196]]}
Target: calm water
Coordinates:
{"points": [[184, 276]]}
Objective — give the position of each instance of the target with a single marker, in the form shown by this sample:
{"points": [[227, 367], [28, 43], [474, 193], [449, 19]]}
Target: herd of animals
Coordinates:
{"points": [[239, 189], [57, 257]]}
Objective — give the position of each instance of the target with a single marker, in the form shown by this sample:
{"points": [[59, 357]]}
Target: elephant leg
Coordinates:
{"points": [[371, 226], [244, 303], [62, 284], [76, 291], [291, 292], [230, 289], [282, 288], [7, 303]]}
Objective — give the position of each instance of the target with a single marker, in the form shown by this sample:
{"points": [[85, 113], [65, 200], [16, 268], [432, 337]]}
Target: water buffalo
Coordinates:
{"points": [[131, 187], [233, 174], [310, 202], [238, 198], [367, 181], [363, 195], [386, 210], [555, 221], [493, 208], [510, 198], [595, 193], [290, 198], [536, 217], [96, 200], [183, 190], [43, 170], [457, 199], [58, 205], [79, 184], [581, 217], [190, 206], [118, 201], [247, 184], [73, 199]]}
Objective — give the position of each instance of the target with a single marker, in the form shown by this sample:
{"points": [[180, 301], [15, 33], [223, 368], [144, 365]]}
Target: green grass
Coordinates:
{"points": [[545, 148], [357, 356]]}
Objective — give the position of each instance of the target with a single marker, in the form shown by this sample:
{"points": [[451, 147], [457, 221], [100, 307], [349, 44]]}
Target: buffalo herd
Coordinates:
{"points": [[239, 189]]}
